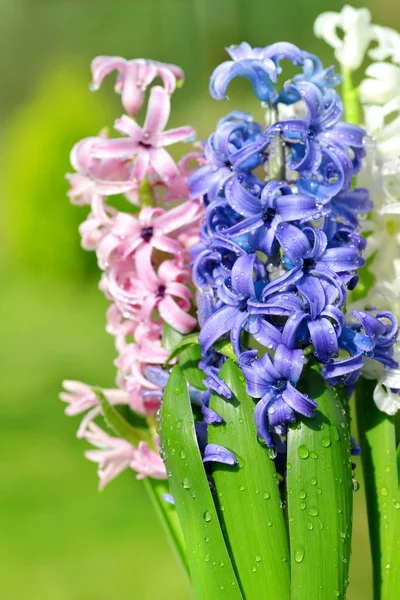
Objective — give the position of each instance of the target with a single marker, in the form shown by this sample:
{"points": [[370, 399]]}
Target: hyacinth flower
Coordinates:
{"points": [[247, 313]]}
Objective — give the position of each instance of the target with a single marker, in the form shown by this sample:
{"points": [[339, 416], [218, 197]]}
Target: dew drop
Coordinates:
{"points": [[207, 516], [182, 454], [313, 511], [258, 559], [186, 483], [313, 481], [179, 423], [302, 451], [299, 554], [326, 442]]}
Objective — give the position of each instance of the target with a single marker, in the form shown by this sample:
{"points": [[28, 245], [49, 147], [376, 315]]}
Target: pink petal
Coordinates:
{"points": [[157, 116], [103, 65], [81, 156], [129, 127], [178, 217], [178, 290], [132, 91], [170, 271], [169, 74], [81, 187], [175, 316], [180, 134], [149, 213], [122, 148], [165, 244], [109, 188], [163, 164], [141, 166], [144, 268]]}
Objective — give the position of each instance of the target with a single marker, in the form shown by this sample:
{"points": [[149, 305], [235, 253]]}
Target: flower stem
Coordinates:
{"points": [[276, 158], [146, 194], [378, 452], [351, 101], [168, 517]]}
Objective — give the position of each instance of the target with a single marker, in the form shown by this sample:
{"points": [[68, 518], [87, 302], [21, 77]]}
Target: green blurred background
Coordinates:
{"points": [[59, 538]]}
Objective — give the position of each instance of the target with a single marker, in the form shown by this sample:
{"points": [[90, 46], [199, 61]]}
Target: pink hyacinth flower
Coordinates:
{"points": [[151, 228], [134, 77], [96, 178], [80, 398], [141, 294], [146, 143], [114, 455], [94, 228]]}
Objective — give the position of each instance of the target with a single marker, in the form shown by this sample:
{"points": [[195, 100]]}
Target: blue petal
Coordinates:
{"points": [[289, 363], [299, 402], [217, 453]]}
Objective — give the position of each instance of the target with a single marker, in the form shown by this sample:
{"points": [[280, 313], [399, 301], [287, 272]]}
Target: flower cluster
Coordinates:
{"points": [[280, 244], [379, 94], [144, 254]]}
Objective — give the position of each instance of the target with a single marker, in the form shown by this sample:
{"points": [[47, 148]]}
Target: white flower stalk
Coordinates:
{"points": [[357, 31]]}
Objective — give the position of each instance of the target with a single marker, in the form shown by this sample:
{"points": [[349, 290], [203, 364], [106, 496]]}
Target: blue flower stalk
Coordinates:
{"points": [[277, 259]]}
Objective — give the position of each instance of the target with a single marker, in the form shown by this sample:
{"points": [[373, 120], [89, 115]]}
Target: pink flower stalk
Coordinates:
{"points": [[114, 455], [134, 77], [146, 144], [145, 256]]}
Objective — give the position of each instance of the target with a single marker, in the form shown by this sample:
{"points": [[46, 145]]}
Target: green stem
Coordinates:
{"points": [[146, 194], [351, 101], [276, 159], [378, 444], [168, 517]]}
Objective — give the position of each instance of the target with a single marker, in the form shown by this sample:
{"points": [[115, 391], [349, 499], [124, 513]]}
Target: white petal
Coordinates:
{"points": [[386, 401], [325, 27]]}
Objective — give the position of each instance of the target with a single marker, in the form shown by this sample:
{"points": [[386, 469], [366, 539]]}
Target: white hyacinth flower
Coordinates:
{"points": [[388, 41], [357, 34], [385, 399], [382, 83]]}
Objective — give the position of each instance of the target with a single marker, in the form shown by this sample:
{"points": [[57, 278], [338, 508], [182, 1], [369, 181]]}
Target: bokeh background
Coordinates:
{"points": [[60, 539]]}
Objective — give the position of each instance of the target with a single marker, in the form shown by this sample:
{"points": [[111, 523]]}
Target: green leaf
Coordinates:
{"points": [[188, 340], [225, 347], [118, 424], [210, 565], [319, 485], [398, 462], [377, 438], [188, 362], [170, 337], [248, 497]]}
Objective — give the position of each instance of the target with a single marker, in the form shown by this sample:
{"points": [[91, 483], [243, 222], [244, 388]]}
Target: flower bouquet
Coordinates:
{"points": [[249, 287]]}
